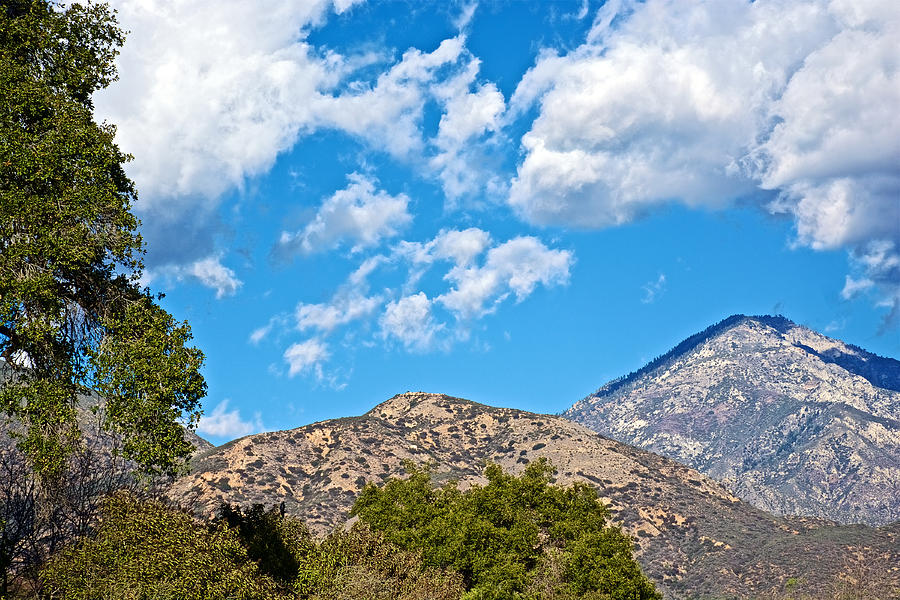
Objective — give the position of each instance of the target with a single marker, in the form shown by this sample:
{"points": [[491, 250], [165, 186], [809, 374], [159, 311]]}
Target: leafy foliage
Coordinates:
{"points": [[72, 314], [363, 564], [515, 537], [144, 549], [276, 543]]}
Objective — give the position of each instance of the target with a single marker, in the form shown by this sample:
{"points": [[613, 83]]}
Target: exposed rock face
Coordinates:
{"points": [[790, 420], [693, 537]]}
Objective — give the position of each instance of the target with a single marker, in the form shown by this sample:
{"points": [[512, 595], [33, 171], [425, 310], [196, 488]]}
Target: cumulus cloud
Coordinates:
{"points": [[703, 103], [460, 246], [307, 356], [358, 214], [225, 423], [342, 310], [208, 91], [475, 276], [208, 271], [516, 267], [470, 110], [213, 274], [410, 321]]}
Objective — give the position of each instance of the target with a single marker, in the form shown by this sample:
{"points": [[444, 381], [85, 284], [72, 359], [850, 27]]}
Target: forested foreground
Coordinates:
{"points": [[515, 537]]}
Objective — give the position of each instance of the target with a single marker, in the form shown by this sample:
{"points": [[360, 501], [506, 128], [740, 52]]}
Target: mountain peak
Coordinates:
{"points": [[417, 405], [789, 419], [878, 370]]}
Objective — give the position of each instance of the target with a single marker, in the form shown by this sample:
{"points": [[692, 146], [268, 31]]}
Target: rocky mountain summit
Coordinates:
{"points": [[693, 537], [787, 419]]}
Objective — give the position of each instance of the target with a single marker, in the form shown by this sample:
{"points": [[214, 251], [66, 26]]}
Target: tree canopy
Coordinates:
{"points": [[515, 537], [73, 315]]}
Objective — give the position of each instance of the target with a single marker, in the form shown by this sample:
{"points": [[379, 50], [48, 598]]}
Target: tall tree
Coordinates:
{"points": [[73, 316]]}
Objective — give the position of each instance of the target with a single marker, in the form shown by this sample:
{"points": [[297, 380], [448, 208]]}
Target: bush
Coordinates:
{"points": [[146, 549], [361, 564]]}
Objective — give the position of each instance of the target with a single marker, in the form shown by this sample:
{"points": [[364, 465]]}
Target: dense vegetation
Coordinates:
{"points": [[73, 316], [515, 537], [518, 537]]}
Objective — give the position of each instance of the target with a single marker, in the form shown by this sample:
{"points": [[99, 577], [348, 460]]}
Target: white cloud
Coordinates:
{"points": [[213, 274], [661, 108], [854, 287], [388, 113], [879, 263], [211, 92], [516, 266], [228, 424], [477, 277], [703, 103], [208, 271], [460, 246], [260, 333], [343, 309], [306, 356], [358, 214], [410, 321], [470, 110]]}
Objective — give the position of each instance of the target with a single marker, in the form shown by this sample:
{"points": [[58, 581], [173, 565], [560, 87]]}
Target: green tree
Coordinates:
{"points": [[73, 316], [515, 537]]}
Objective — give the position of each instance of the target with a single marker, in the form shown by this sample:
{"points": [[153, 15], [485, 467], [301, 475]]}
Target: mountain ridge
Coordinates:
{"points": [[786, 418], [888, 379], [693, 537]]}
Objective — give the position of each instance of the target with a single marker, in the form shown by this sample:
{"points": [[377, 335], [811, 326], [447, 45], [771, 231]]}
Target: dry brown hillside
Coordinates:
{"points": [[692, 536]]}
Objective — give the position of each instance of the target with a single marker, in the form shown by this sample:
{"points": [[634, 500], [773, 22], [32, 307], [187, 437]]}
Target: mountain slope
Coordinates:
{"points": [[693, 537], [787, 419]]}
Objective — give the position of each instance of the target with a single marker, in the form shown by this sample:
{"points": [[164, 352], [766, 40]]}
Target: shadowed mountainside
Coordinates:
{"points": [[692, 536]]}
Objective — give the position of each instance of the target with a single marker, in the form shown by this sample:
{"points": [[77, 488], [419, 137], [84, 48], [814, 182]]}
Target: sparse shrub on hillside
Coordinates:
{"points": [[516, 537], [858, 580]]}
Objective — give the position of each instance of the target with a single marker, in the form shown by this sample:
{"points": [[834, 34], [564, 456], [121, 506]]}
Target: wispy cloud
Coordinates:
{"points": [[653, 289], [306, 356], [209, 272]]}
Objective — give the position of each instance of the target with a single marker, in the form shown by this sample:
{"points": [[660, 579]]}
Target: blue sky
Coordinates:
{"points": [[511, 202]]}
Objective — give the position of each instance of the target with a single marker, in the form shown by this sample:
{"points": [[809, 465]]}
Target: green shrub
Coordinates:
{"points": [[361, 564], [516, 537], [145, 549]]}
